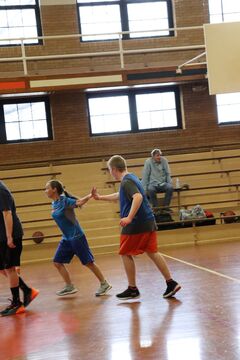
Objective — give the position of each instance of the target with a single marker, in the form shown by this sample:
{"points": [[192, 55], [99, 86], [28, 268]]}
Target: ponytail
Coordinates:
{"points": [[67, 194]]}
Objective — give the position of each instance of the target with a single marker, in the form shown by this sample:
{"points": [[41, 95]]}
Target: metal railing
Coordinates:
{"points": [[119, 52]]}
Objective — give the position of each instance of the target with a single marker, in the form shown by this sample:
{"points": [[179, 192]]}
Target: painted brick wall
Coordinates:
{"points": [[62, 20], [71, 131], [70, 123]]}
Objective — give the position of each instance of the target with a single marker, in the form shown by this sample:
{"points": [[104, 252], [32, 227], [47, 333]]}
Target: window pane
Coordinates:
{"points": [[156, 110], [10, 113], [28, 32], [28, 17], [224, 10], [109, 114], [215, 6], [228, 107], [38, 111], [232, 17], [231, 6], [40, 129], [12, 131], [215, 19], [24, 112], [100, 19], [148, 16], [14, 18], [26, 130], [3, 18]]}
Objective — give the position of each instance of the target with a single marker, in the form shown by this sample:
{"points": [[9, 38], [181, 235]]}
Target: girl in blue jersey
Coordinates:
{"points": [[73, 240]]}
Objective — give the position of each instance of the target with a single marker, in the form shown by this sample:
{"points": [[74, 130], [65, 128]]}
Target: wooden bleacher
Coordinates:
{"points": [[208, 175], [213, 183]]}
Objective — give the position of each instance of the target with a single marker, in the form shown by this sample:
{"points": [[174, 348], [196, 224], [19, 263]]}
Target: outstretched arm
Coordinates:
{"points": [[109, 197], [83, 200]]}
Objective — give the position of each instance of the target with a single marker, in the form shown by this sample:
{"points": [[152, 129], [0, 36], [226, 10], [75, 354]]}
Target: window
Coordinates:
{"points": [[113, 16], [19, 18], [25, 119], [228, 108], [134, 110], [224, 10]]}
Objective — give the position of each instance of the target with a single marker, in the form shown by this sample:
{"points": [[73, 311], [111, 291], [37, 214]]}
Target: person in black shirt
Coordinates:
{"points": [[11, 233]]}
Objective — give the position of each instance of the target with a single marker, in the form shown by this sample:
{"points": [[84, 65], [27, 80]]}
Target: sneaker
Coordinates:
{"points": [[172, 288], [67, 290], [13, 308], [103, 289], [28, 296], [129, 294]]}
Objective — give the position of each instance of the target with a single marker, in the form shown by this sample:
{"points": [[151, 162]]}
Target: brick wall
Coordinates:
{"points": [[71, 131], [62, 20], [70, 123]]}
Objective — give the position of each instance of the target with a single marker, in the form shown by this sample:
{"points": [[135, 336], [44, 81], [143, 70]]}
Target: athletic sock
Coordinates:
{"points": [[15, 294], [23, 286]]}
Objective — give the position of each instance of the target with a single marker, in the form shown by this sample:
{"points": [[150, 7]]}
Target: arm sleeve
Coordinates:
{"points": [[130, 188], [146, 175], [70, 203], [5, 201], [168, 172]]}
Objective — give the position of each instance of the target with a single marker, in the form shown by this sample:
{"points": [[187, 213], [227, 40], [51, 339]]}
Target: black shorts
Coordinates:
{"points": [[10, 257]]}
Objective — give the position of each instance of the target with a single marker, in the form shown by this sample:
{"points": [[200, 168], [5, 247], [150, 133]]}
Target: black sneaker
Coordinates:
{"points": [[29, 295], [13, 308], [129, 294], [172, 288]]}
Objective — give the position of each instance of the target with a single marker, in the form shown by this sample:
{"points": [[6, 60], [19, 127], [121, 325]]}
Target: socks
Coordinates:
{"points": [[15, 294], [23, 286], [132, 287]]}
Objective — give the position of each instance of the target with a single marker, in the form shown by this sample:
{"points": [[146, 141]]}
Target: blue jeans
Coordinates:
{"points": [[153, 190]]}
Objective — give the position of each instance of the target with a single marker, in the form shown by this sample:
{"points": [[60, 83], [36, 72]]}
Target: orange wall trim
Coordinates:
{"points": [[12, 85]]}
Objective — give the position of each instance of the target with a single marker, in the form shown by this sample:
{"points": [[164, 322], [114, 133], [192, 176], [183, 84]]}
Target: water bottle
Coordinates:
{"points": [[178, 186]]}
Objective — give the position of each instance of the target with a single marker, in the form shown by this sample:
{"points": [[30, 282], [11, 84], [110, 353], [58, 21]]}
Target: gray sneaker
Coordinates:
{"points": [[103, 289], [67, 290]]}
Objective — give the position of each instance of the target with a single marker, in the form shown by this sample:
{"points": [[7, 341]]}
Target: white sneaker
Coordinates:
{"points": [[103, 289], [67, 290]]}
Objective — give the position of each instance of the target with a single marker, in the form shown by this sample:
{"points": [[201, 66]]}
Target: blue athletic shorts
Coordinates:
{"points": [[77, 246]]}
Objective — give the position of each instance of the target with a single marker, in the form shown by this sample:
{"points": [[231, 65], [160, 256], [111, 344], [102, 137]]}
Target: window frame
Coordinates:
{"points": [[133, 108], [3, 132], [124, 18], [35, 7]]}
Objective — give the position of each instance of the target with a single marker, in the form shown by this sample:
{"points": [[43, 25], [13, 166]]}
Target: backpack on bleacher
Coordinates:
{"points": [[196, 212], [210, 219], [162, 216]]}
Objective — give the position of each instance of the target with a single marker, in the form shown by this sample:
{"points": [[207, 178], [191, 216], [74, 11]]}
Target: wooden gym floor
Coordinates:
{"points": [[201, 323]]}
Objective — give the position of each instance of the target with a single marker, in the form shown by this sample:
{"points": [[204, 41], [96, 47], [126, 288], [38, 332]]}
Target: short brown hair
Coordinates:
{"points": [[117, 162]]}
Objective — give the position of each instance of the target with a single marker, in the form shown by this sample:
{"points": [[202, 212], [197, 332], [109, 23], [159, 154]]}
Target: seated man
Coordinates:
{"points": [[156, 178]]}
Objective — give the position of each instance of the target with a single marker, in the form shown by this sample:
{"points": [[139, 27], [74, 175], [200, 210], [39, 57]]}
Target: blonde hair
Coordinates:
{"points": [[155, 152], [117, 162]]}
